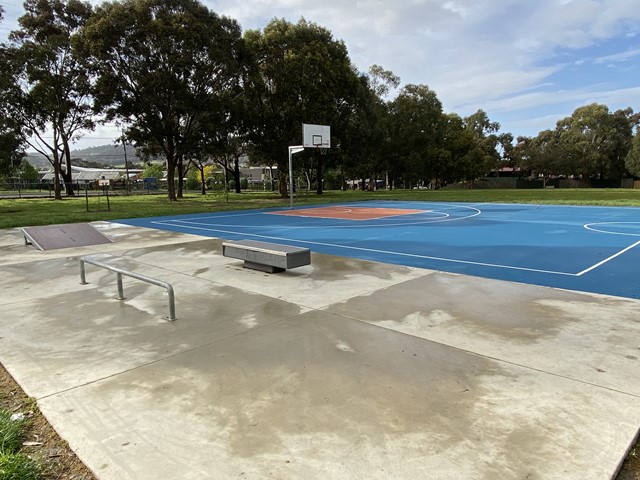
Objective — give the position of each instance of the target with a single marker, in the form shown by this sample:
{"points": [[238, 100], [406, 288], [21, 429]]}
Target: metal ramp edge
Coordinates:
{"points": [[52, 237]]}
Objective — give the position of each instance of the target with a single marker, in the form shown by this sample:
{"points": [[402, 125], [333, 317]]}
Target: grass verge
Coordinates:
{"points": [[15, 465], [34, 451], [45, 211]]}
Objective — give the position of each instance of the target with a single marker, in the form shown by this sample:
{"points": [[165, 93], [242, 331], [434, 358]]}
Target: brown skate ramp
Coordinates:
{"points": [[52, 237]]}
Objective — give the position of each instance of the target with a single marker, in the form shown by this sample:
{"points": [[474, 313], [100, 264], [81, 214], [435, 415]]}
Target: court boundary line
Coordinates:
{"points": [[189, 224], [593, 267], [386, 252], [589, 226]]}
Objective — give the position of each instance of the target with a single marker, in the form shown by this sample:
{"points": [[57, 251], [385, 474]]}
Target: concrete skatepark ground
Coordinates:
{"points": [[340, 369]]}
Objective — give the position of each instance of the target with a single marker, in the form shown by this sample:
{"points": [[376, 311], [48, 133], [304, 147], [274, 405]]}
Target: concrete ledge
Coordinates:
{"points": [[265, 256]]}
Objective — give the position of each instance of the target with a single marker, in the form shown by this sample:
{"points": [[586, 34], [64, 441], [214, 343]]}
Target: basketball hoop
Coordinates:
{"points": [[316, 136], [320, 145]]}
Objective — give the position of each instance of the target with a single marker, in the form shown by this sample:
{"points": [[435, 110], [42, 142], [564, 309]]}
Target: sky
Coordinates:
{"points": [[527, 63]]}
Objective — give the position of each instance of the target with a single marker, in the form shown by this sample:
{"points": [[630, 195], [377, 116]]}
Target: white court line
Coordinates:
{"points": [[449, 260], [590, 226], [386, 252], [608, 259], [444, 218]]}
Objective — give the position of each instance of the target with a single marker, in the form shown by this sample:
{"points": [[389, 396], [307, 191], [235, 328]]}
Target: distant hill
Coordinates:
{"points": [[103, 155]]}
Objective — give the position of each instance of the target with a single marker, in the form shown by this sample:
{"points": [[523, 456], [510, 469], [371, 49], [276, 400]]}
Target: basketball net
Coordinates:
{"points": [[322, 148]]}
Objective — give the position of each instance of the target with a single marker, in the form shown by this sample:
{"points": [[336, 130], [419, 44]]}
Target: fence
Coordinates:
{"points": [[525, 183], [24, 189]]}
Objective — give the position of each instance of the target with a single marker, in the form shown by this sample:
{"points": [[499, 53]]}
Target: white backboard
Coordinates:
{"points": [[316, 136]]}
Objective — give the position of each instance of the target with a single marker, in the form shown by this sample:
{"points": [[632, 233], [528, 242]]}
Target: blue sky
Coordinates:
{"points": [[526, 63]]}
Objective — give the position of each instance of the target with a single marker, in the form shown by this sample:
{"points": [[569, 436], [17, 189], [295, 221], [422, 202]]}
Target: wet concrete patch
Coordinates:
{"points": [[83, 336], [291, 401], [581, 336]]}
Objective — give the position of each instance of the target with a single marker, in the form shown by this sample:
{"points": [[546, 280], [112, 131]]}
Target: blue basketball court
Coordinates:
{"points": [[590, 249]]}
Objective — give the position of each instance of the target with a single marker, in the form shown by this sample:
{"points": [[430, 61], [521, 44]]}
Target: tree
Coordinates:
{"points": [[632, 160], [11, 152], [301, 75], [153, 170], [11, 140], [51, 93], [483, 155], [167, 69], [595, 142], [541, 154], [228, 157], [591, 143], [28, 172], [456, 143], [197, 175], [416, 116], [364, 147], [381, 81], [624, 122]]}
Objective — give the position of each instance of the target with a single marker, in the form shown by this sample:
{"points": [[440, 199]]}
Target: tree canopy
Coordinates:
{"points": [[591, 143], [185, 84], [50, 95], [167, 70], [632, 161], [301, 75]]}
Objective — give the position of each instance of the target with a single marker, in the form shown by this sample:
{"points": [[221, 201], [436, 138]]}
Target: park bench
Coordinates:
{"points": [[265, 256]]}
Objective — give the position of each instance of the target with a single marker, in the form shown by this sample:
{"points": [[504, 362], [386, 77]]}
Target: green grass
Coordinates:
{"points": [[29, 212], [17, 466], [13, 464], [10, 433]]}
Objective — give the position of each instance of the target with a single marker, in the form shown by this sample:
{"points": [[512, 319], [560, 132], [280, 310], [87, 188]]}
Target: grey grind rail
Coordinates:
{"points": [[119, 272]]}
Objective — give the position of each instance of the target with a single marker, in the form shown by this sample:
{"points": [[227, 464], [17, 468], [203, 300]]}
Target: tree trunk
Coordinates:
{"points": [[68, 176], [57, 191], [236, 174], [203, 185], [319, 172], [282, 185], [180, 176], [171, 173]]}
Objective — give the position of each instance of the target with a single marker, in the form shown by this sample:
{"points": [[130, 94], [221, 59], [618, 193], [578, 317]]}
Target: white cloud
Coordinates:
{"points": [[499, 55], [619, 57]]}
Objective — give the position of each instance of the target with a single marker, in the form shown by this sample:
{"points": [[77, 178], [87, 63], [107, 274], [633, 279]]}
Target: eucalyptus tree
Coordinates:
{"points": [[624, 122], [10, 139], [365, 151], [416, 116], [632, 160], [595, 142], [51, 95], [11, 151], [302, 75], [541, 155], [456, 143], [168, 70], [483, 155]]}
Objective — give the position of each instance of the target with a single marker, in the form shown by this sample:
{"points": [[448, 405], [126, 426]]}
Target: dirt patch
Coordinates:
{"points": [[631, 468]]}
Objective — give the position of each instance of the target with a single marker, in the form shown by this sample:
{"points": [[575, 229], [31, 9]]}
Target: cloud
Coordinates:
{"points": [[505, 56], [619, 57]]}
